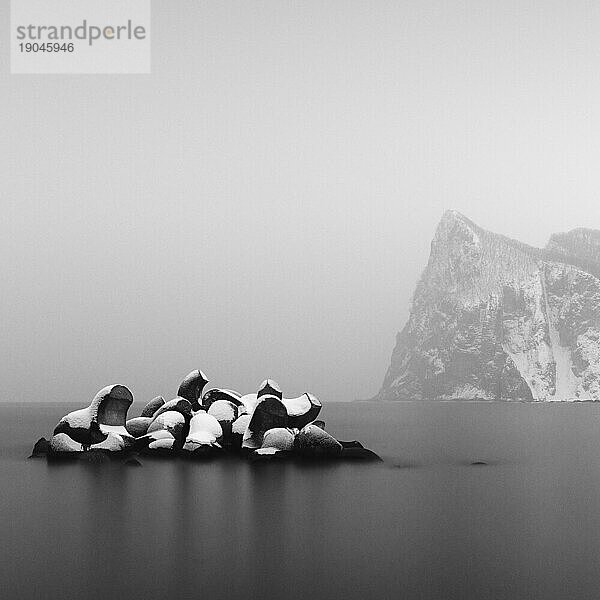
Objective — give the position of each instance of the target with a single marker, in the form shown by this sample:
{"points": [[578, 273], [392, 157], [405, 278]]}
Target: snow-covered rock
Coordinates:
{"points": [[107, 410], [144, 442], [302, 410], [191, 387], [249, 402], [161, 444], [111, 404], [219, 394], [152, 406], [226, 413], [269, 387], [495, 319], [159, 434], [113, 443], [180, 405], [279, 438], [268, 414], [138, 426], [313, 441], [205, 430], [223, 411], [171, 421], [241, 424], [61, 442], [118, 429]]}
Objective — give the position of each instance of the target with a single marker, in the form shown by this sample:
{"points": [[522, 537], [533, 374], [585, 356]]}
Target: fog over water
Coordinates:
{"points": [[262, 203]]}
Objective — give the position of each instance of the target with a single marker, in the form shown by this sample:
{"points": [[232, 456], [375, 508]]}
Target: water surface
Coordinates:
{"points": [[424, 524]]}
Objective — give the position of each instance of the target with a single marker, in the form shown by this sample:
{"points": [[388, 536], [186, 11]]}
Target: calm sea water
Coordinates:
{"points": [[424, 524]]}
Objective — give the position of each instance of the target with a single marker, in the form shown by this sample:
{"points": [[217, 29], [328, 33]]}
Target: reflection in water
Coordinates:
{"points": [[426, 524]]}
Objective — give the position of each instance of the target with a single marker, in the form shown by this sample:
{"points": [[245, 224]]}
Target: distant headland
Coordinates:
{"points": [[495, 319]]}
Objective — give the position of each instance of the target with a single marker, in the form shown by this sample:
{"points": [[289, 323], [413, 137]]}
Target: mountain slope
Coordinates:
{"points": [[495, 319]]}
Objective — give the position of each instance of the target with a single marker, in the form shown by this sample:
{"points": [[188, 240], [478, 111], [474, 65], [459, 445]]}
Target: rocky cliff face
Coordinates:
{"points": [[495, 319]]}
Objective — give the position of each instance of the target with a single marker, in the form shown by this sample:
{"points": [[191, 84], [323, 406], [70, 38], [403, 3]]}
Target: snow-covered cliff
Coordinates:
{"points": [[495, 319]]}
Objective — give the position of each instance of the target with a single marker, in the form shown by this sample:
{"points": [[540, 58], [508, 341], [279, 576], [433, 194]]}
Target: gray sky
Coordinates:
{"points": [[263, 203]]}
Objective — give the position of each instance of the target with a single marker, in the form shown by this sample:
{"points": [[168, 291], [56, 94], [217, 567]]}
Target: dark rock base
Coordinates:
{"points": [[350, 451]]}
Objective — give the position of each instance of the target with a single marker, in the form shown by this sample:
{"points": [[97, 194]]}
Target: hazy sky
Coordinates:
{"points": [[262, 204]]}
